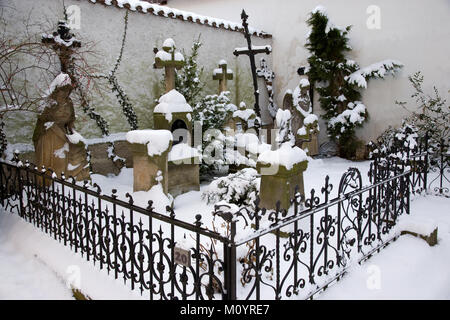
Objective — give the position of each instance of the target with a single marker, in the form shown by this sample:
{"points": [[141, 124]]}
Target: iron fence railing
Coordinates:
{"points": [[267, 254]]}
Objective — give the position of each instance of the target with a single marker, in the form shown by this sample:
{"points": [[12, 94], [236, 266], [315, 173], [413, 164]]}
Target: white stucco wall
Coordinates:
{"points": [[416, 32], [104, 25]]}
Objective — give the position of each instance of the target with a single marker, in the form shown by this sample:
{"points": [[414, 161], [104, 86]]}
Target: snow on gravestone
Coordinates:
{"points": [[169, 59], [150, 150], [281, 169]]}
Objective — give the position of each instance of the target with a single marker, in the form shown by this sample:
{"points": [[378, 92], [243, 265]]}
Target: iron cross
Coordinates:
{"points": [[251, 52]]}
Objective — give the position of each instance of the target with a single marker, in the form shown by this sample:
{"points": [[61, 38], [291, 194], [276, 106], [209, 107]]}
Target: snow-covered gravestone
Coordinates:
{"points": [[281, 169], [222, 74], [169, 59], [57, 145], [174, 114], [150, 150]]}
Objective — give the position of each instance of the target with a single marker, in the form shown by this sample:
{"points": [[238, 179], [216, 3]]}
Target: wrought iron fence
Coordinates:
{"points": [[276, 254], [136, 244]]}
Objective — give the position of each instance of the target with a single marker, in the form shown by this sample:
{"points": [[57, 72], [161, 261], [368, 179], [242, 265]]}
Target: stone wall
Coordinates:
{"points": [[103, 24]]}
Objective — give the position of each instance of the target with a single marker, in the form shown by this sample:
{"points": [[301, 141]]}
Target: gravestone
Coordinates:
{"points": [[150, 150], [282, 167], [169, 60], [174, 114], [222, 74]]}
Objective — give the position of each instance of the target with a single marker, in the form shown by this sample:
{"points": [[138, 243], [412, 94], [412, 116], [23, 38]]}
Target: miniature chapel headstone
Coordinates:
{"points": [[174, 114]]}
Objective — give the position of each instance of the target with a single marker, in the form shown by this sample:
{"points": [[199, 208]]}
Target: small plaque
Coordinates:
{"points": [[182, 256]]}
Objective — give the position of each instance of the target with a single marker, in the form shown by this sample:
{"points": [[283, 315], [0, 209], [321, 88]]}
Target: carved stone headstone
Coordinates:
{"points": [[57, 145], [222, 74], [150, 150]]}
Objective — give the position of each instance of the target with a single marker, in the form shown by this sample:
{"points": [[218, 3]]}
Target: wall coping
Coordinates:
{"points": [[167, 12]]}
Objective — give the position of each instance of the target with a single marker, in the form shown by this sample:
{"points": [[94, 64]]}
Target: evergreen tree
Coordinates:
{"points": [[187, 80], [339, 80]]}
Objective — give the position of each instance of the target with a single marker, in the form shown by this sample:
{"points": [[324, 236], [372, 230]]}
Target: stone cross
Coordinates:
{"points": [[170, 60], [251, 51], [222, 74]]}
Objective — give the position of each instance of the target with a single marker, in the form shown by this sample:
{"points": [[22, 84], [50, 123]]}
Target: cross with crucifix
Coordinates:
{"points": [[222, 74], [170, 60], [63, 43], [251, 51]]}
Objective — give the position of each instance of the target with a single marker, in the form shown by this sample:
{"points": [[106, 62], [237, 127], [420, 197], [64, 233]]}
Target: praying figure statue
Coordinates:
{"points": [[57, 145]]}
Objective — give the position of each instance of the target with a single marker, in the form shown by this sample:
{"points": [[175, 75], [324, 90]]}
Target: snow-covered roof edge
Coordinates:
{"points": [[167, 12]]}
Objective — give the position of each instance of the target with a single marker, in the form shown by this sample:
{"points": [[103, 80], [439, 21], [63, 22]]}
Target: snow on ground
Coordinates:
{"points": [[408, 268], [38, 267], [22, 276]]}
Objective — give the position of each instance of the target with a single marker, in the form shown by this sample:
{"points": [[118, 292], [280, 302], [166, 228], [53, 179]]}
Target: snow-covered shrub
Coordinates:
{"points": [[396, 141], [339, 80], [432, 113], [212, 112], [240, 188], [187, 80]]}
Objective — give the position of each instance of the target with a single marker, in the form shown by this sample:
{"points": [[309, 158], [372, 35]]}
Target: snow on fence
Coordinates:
{"points": [[265, 254]]}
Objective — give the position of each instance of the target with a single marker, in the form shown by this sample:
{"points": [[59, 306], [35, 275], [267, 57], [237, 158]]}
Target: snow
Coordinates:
{"points": [[75, 137], [244, 114], [408, 268], [320, 9], [167, 56], [71, 167], [286, 156], [219, 71], [304, 83], [48, 125], [61, 80], [157, 141], [24, 276], [310, 119], [169, 43], [184, 15], [267, 48], [61, 153], [378, 69], [182, 151], [282, 117], [352, 115], [119, 136], [171, 102]]}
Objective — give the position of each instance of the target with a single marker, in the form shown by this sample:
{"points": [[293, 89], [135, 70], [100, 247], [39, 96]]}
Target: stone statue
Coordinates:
{"points": [[57, 145], [299, 103]]}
